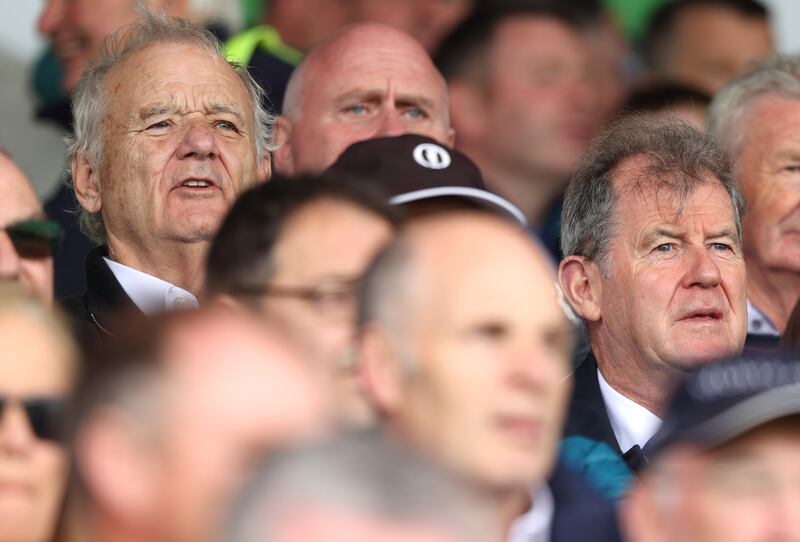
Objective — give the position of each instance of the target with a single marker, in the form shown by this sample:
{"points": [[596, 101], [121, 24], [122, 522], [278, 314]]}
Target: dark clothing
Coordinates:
{"points": [[272, 74], [757, 346], [68, 262], [587, 411], [96, 313], [580, 513]]}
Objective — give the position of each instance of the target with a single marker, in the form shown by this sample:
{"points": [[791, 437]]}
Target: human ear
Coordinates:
{"points": [[85, 181], [580, 281]]}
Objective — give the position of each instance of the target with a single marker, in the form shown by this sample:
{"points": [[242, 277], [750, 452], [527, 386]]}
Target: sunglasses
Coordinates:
{"points": [[35, 238], [45, 416]]}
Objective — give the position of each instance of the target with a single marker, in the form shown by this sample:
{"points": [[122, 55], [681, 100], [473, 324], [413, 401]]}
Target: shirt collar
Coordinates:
{"points": [[536, 523], [631, 422], [758, 323], [149, 293]]}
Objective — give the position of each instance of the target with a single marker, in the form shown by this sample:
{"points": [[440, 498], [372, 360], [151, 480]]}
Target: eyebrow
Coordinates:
{"points": [[380, 94], [151, 111], [675, 234]]}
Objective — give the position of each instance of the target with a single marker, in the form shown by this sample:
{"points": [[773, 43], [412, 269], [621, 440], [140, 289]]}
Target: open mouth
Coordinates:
{"points": [[196, 184]]}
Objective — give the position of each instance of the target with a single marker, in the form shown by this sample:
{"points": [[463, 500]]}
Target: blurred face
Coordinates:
{"points": [[490, 349], [76, 29], [712, 45], [675, 294], [541, 109], [769, 169], [372, 82], [179, 147], [235, 394], [326, 246], [428, 21], [744, 491], [33, 471], [34, 272]]}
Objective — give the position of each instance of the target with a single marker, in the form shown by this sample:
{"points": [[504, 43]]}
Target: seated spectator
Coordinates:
{"points": [[522, 100], [706, 43], [28, 240], [465, 353], [37, 368], [171, 416], [756, 118], [672, 100], [157, 163], [291, 252], [653, 265], [367, 81], [356, 489], [724, 466]]}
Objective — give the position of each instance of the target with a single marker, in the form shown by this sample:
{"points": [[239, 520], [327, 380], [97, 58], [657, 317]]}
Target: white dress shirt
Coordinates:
{"points": [[758, 323], [536, 523], [631, 422], [151, 294]]}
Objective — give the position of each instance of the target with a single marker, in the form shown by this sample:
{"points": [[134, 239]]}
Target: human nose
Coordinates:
{"points": [[532, 365], [9, 259], [198, 141], [703, 270], [50, 17], [16, 435]]}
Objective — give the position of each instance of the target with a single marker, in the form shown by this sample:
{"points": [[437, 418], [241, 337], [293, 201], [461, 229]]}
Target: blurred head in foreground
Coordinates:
{"points": [[37, 369], [170, 417]]}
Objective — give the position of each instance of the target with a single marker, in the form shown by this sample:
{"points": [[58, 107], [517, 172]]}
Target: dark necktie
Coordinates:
{"points": [[636, 458]]}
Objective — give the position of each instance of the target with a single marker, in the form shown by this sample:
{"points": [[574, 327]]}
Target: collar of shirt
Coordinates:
{"points": [[631, 422], [535, 524], [758, 323], [149, 293]]}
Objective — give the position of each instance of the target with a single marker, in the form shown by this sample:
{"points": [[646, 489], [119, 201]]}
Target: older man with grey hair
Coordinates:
{"points": [[167, 134], [653, 265], [757, 118]]}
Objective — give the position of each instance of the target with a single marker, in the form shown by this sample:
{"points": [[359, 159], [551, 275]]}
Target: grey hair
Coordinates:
{"points": [[90, 102], [677, 156], [365, 476], [778, 75]]}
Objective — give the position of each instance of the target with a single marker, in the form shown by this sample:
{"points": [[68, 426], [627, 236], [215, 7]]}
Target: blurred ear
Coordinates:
{"points": [[381, 370], [87, 184], [467, 111], [581, 283], [264, 168], [117, 467], [282, 133]]}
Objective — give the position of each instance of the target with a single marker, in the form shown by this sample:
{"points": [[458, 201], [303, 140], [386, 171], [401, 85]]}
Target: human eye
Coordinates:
{"points": [[722, 247], [159, 126], [415, 113], [227, 126], [356, 109], [664, 248]]}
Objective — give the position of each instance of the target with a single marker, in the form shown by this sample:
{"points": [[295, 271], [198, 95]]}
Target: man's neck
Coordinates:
{"points": [[181, 264], [648, 386], [773, 292], [532, 193]]}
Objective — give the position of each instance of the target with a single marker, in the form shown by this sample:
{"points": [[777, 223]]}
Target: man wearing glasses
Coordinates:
{"points": [[291, 251], [27, 239]]}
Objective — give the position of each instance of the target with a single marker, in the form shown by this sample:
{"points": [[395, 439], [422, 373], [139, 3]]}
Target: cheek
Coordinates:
{"points": [[50, 471]]}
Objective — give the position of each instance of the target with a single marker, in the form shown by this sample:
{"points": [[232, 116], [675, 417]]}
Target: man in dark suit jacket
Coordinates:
{"points": [[158, 164], [651, 231]]}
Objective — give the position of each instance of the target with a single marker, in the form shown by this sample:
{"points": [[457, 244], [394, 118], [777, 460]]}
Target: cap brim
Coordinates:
{"points": [[484, 197]]}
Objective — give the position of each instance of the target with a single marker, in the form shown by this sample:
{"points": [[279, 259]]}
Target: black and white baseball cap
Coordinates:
{"points": [[722, 401], [412, 168]]}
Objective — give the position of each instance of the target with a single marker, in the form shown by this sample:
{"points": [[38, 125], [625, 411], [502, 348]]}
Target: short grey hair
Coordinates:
{"points": [[90, 102], [778, 76], [677, 157], [362, 475]]}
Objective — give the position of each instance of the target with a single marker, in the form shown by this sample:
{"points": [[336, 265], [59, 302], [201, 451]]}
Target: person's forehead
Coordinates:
{"points": [[160, 70], [536, 33], [772, 121], [19, 201]]}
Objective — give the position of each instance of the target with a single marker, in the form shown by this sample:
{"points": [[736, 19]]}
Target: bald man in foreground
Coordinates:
{"points": [[367, 81], [27, 240], [465, 354]]}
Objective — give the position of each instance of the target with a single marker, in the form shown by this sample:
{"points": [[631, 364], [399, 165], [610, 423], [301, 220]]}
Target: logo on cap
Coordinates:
{"points": [[431, 156]]}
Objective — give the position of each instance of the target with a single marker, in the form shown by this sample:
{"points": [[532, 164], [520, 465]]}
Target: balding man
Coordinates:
{"points": [[27, 240], [465, 351], [368, 81]]}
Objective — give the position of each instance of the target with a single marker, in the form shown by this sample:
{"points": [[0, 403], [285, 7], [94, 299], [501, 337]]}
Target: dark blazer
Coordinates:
{"points": [[97, 312], [580, 513], [587, 412]]}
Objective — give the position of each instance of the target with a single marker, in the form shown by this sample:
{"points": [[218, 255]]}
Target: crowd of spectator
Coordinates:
{"points": [[420, 271]]}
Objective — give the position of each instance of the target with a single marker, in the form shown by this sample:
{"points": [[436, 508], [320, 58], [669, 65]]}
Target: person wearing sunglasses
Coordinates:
{"points": [[37, 367], [27, 239]]}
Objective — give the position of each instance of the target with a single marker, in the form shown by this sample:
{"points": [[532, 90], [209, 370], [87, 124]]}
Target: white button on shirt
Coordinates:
{"points": [[536, 523], [631, 422], [151, 294]]}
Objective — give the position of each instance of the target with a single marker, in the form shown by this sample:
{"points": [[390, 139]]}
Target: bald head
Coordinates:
{"points": [[463, 340], [32, 270], [367, 81]]}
